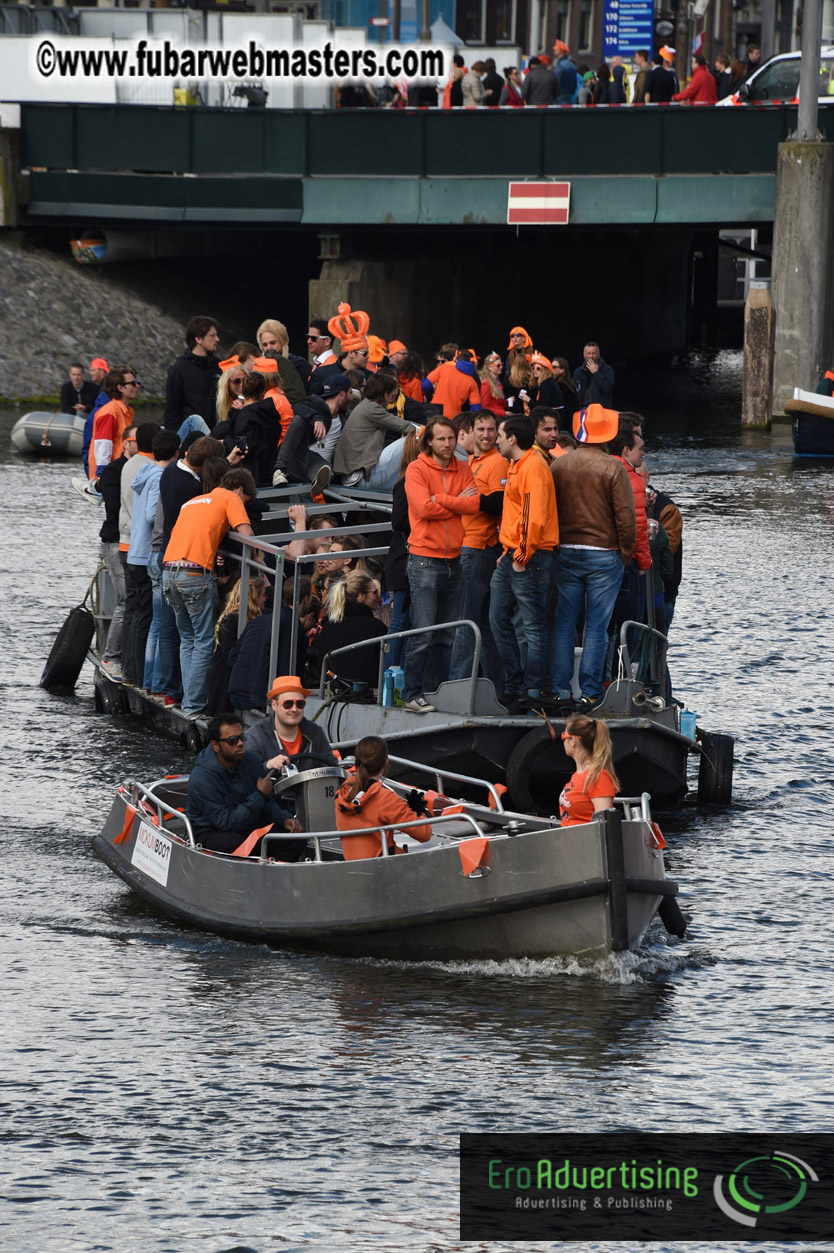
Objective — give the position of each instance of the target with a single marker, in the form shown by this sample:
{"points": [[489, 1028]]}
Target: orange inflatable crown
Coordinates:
{"points": [[351, 327]]}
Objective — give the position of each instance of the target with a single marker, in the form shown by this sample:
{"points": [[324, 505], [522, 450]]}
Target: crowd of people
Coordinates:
{"points": [[557, 79], [520, 501]]}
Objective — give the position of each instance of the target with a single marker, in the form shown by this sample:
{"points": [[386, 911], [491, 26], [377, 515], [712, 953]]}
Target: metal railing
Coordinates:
{"points": [[318, 836], [139, 790]]}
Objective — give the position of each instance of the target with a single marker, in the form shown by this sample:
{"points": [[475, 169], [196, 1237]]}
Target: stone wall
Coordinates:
{"points": [[54, 312]]}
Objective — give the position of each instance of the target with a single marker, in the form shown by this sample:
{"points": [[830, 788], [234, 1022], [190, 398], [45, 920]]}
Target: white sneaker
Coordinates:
{"points": [[112, 670], [279, 479], [419, 705], [86, 488]]}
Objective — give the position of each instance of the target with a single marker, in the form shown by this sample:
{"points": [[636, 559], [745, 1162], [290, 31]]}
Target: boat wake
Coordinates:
{"points": [[653, 959]]}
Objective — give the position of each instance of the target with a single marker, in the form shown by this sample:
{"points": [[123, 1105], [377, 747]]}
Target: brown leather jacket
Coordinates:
{"points": [[594, 500]]}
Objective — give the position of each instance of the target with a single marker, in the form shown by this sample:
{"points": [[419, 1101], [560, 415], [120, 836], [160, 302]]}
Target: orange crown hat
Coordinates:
{"points": [[667, 53], [595, 425], [396, 345], [351, 327], [378, 349], [266, 365], [519, 330], [229, 363], [538, 359], [286, 683]]}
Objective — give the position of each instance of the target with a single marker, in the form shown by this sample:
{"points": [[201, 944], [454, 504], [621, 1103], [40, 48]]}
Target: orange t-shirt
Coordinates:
{"points": [[575, 805], [489, 470], [198, 531], [292, 746]]}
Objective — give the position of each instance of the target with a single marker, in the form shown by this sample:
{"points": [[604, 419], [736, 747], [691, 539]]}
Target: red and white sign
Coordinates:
{"points": [[538, 204]]}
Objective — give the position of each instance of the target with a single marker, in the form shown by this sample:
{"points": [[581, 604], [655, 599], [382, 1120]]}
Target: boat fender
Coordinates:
{"points": [[68, 653], [671, 916], [715, 773]]}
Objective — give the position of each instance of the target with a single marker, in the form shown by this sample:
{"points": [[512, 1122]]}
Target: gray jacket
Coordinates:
{"points": [[262, 740], [363, 437]]}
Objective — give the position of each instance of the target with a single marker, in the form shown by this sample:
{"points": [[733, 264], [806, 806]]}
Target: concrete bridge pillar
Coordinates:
{"points": [[803, 267]]}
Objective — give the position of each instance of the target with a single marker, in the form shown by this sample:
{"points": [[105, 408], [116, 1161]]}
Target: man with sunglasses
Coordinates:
{"points": [[285, 734], [230, 795], [320, 343]]}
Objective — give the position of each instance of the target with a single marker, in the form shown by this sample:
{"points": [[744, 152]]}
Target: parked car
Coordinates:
{"points": [[778, 79]]}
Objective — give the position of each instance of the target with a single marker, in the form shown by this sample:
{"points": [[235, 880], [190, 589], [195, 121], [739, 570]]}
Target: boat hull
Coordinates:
{"points": [[49, 434], [547, 892], [813, 424]]}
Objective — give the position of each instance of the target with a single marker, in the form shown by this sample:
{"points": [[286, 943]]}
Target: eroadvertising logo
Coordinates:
{"points": [[772, 1184], [639, 1186]]}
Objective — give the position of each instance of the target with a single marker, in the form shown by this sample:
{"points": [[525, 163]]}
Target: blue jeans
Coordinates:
{"points": [[193, 598], [400, 621], [435, 597], [589, 578], [526, 590], [477, 566], [162, 652], [193, 423], [383, 476]]}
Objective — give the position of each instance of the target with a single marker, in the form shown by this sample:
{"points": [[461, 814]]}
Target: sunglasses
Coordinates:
{"points": [[231, 739], [309, 337], [566, 735], [293, 704]]}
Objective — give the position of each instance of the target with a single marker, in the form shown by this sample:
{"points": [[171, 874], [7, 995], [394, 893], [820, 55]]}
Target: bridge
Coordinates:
{"points": [[684, 166]]}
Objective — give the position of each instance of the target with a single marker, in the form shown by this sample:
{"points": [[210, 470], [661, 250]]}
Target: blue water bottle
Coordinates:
{"points": [[688, 724], [388, 688], [398, 675]]}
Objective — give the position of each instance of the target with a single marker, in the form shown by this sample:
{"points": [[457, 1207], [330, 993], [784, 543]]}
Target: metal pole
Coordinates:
{"points": [[425, 21], [768, 29], [809, 74]]}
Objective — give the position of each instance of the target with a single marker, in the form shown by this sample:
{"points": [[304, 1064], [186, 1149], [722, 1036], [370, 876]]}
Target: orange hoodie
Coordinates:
{"points": [[376, 805], [455, 385], [437, 524], [529, 521]]}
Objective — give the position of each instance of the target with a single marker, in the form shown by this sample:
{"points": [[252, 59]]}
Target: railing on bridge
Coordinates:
{"points": [[415, 143]]}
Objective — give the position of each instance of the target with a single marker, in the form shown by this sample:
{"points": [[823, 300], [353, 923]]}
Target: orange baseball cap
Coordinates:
{"points": [[266, 365], [229, 363], [396, 345], [98, 363]]}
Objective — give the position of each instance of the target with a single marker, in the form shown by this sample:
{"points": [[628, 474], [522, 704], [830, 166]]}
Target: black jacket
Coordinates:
{"points": [[358, 624], [260, 425], [592, 389], [249, 677], [110, 485], [70, 397], [176, 486], [396, 559], [191, 388]]}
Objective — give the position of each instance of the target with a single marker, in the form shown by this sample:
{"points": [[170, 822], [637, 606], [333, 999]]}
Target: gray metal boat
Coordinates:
{"points": [[489, 884]]}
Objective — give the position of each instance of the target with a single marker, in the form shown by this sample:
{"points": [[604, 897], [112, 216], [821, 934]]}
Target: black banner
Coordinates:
{"points": [[640, 1186]]}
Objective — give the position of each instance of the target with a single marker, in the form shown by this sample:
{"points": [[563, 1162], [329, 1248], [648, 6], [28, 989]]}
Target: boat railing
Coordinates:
{"points": [[636, 808], [440, 776], [142, 792], [653, 649], [317, 836], [383, 643]]}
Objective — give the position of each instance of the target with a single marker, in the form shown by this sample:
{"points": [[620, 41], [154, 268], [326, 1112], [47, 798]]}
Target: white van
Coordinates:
{"points": [[778, 79]]}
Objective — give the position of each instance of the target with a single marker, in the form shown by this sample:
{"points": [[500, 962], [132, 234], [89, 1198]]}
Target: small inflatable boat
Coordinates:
{"points": [[49, 434]]}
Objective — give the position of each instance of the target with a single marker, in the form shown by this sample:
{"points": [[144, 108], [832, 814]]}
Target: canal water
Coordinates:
{"points": [[167, 1090]]}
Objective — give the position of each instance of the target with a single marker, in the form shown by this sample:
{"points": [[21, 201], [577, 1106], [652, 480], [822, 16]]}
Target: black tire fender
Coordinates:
{"points": [[715, 773], [69, 651], [537, 771]]}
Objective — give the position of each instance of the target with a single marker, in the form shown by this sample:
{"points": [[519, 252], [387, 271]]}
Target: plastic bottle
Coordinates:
{"points": [[398, 675], [688, 724], [388, 688]]}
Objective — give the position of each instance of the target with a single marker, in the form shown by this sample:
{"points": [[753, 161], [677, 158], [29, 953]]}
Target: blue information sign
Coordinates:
{"points": [[627, 26]]}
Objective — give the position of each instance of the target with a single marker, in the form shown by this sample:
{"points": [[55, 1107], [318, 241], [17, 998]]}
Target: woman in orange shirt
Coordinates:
{"points": [[364, 801], [593, 785]]}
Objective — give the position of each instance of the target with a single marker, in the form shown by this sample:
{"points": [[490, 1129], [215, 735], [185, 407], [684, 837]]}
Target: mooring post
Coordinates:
{"points": [[757, 381], [803, 236]]}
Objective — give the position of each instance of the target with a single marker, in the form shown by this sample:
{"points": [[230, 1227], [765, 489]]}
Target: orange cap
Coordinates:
{"points": [[286, 683], [229, 363], [350, 327], [266, 365], [561, 46], [667, 53], [396, 345], [98, 363]]}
